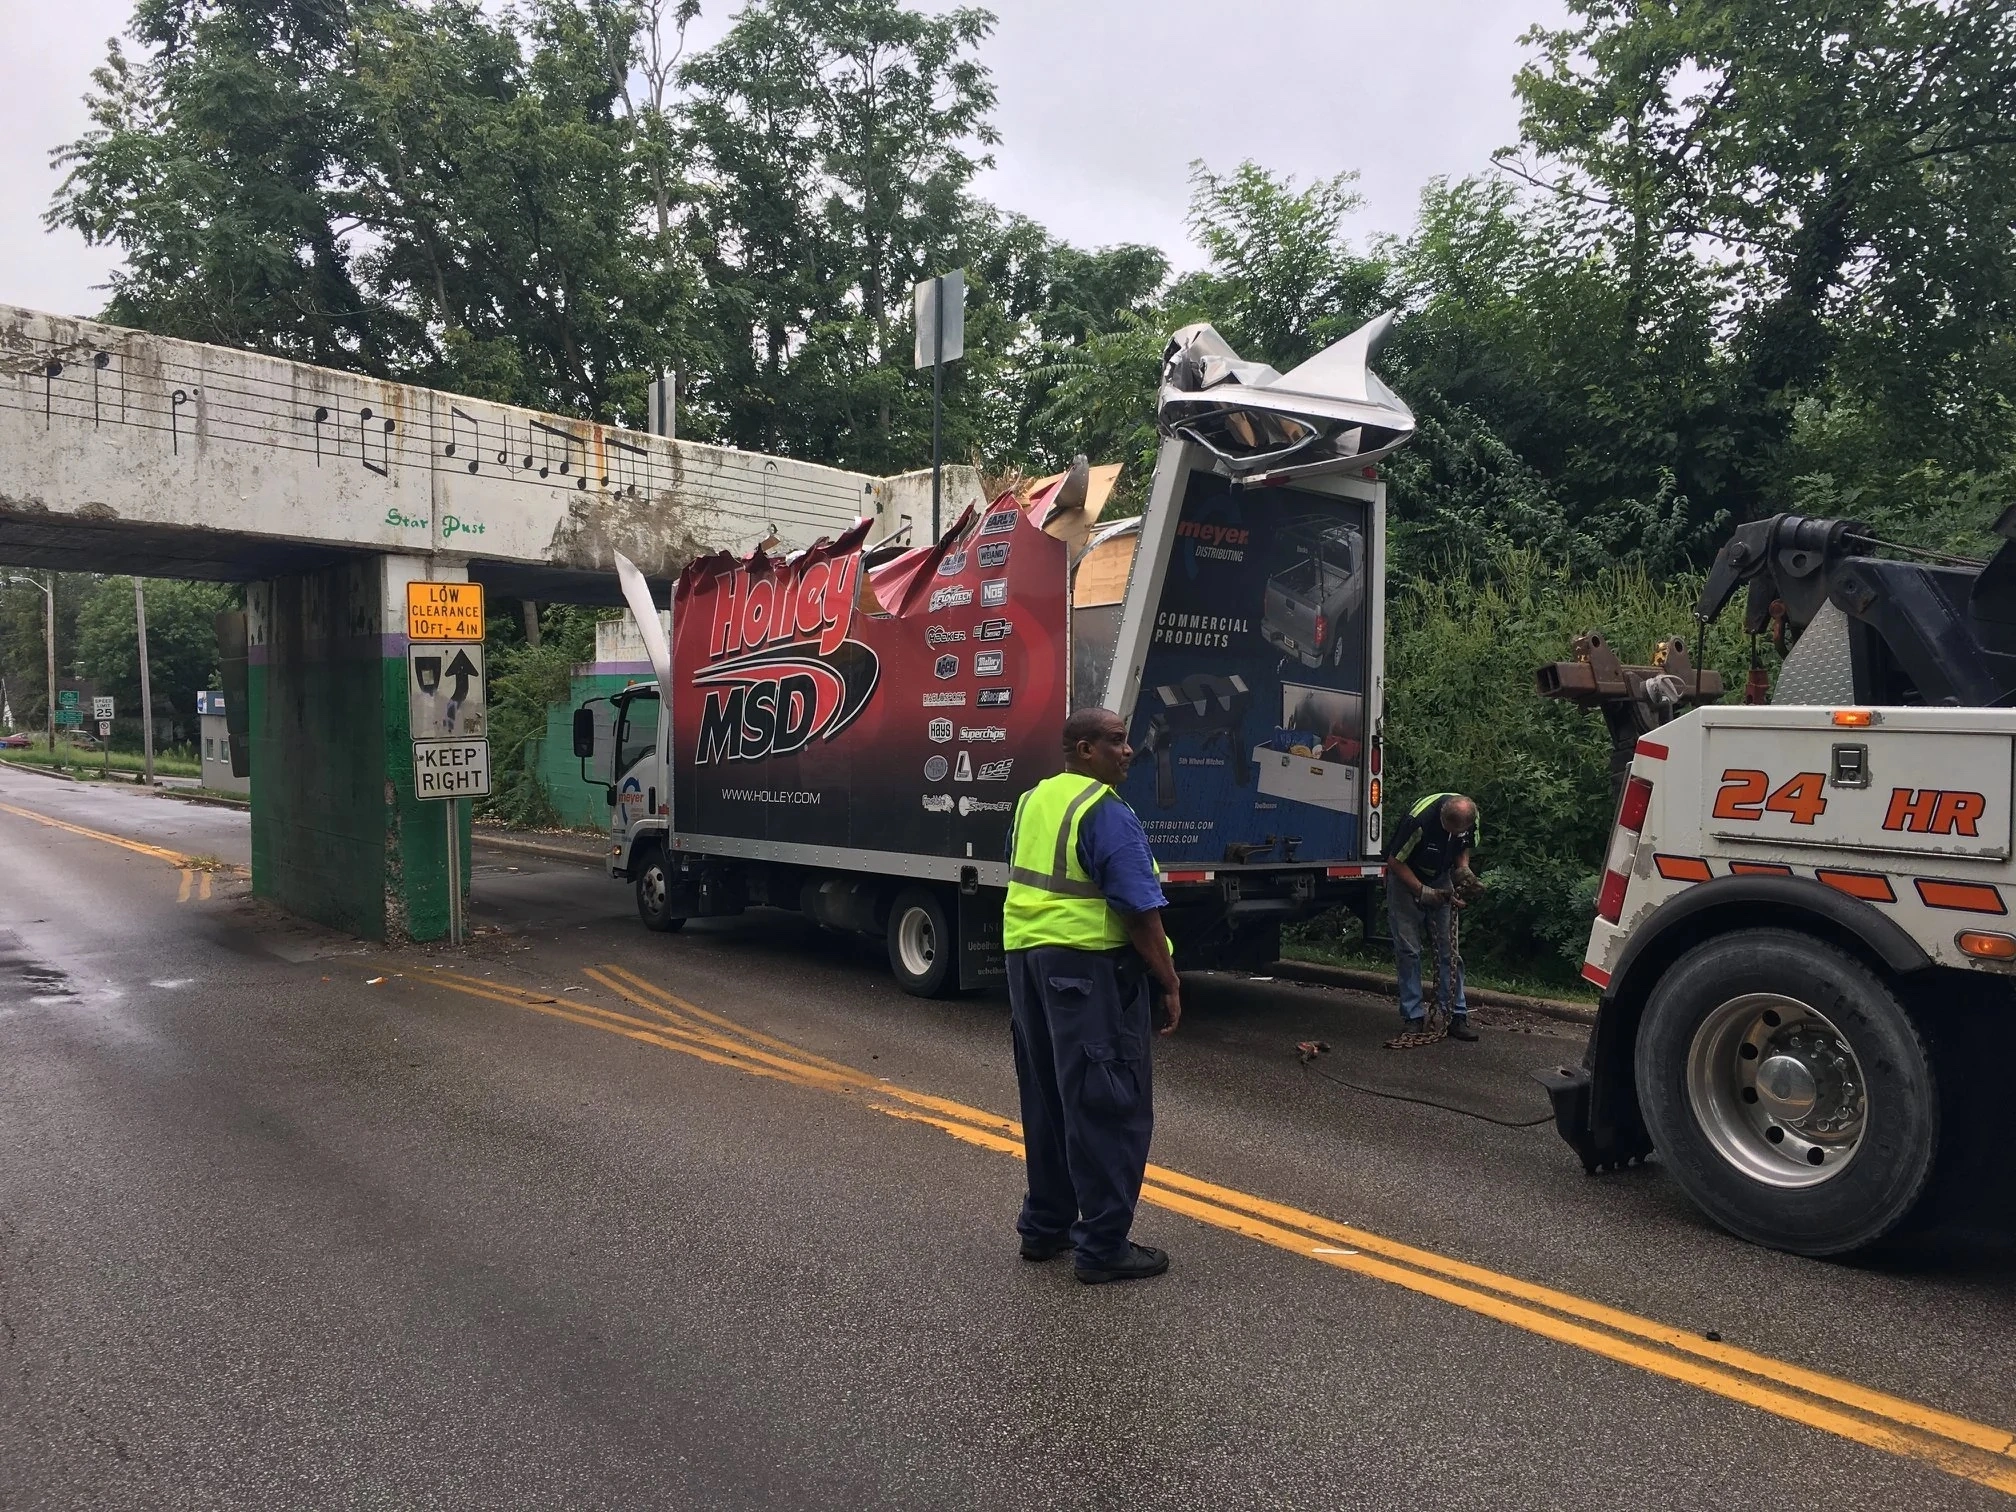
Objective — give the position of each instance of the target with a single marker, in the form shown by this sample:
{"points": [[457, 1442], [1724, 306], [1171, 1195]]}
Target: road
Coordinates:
{"points": [[585, 1216]]}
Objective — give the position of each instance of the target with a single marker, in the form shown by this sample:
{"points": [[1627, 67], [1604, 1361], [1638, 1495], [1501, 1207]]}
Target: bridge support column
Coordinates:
{"points": [[336, 833]]}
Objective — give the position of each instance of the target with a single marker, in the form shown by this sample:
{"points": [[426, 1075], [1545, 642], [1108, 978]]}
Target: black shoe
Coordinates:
{"points": [[1459, 1028], [1047, 1248], [1141, 1262]]}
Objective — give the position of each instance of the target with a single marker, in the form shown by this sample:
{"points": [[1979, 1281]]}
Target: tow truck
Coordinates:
{"points": [[1803, 936]]}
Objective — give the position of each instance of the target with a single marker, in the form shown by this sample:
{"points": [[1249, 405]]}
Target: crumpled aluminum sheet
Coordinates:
{"points": [[1331, 408]]}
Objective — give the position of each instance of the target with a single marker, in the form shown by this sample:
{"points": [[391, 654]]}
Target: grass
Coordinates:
{"points": [[168, 763]]}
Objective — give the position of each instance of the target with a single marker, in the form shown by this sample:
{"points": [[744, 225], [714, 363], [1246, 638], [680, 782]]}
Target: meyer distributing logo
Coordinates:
{"points": [[940, 730], [934, 769], [993, 733], [946, 666], [996, 698], [987, 663], [994, 629], [944, 700], [994, 553], [782, 671], [981, 806], [939, 635], [1000, 522], [950, 598], [953, 565], [994, 592], [937, 803], [996, 771], [1214, 535]]}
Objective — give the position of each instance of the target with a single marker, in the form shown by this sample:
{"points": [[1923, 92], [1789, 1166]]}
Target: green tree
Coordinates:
{"points": [[1849, 168], [832, 144], [181, 642]]}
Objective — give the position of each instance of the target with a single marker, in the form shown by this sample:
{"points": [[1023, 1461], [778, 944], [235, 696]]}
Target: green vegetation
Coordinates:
{"points": [[177, 761], [1745, 256]]}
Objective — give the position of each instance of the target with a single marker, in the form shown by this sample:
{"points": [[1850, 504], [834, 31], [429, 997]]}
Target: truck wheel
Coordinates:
{"points": [[923, 948], [1789, 1092], [654, 893]]}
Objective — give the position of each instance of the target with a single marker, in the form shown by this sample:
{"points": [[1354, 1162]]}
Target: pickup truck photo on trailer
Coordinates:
{"points": [[850, 726], [1804, 937], [1310, 605]]}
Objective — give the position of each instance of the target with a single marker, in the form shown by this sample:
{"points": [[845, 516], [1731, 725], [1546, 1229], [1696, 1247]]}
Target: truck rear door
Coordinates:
{"points": [[1250, 709]]}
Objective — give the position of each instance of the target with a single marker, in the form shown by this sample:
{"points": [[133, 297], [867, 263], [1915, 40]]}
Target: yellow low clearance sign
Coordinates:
{"points": [[444, 611]]}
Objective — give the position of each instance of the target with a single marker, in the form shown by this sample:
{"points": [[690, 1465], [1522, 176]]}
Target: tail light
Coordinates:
{"points": [[1322, 629], [1623, 846], [1637, 799]]}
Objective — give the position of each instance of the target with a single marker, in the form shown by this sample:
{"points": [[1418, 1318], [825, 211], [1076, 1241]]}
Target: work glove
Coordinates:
{"points": [[1432, 897]]}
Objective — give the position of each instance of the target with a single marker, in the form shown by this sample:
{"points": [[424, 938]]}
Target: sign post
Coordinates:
{"points": [[941, 338], [101, 711], [447, 708]]}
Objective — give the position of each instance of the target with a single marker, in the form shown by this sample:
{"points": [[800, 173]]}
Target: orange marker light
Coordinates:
{"points": [[1375, 792], [1854, 719], [1985, 946]]}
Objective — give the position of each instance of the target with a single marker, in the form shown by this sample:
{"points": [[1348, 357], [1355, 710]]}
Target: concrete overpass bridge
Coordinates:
{"points": [[326, 493]]}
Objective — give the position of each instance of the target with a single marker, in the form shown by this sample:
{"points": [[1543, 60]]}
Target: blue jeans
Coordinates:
{"points": [[1405, 918]]}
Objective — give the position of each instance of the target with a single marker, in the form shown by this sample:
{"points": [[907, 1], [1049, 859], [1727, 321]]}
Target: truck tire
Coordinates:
{"points": [[1789, 1092], [654, 892], [923, 946]]}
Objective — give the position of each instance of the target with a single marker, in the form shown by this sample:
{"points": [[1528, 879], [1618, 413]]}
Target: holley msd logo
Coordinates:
{"points": [[781, 671]]}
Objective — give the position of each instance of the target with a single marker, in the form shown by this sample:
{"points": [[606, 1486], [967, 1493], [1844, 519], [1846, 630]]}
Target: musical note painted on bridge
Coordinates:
{"points": [[382, 468], [175, 402], [568, 442], [458, 420], [629, 459]]}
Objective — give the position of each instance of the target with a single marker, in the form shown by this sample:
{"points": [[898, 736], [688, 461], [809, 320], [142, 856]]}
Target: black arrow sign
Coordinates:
{"points": [[462, 669]]}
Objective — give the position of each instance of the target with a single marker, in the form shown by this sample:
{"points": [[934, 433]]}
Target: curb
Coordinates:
{"points": [[39, 771], [212, 799], [1319, 975], [537, 848]]}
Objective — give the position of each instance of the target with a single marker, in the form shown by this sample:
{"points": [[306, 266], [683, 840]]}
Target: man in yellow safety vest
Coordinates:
{"points": [[1082, 927]]}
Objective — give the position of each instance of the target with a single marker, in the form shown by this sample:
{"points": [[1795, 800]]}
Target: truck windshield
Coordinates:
{"points": [[636, 728]]}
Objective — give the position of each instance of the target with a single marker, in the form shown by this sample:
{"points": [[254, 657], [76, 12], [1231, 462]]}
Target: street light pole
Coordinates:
{"points": [[48, 644], [146, 683]]}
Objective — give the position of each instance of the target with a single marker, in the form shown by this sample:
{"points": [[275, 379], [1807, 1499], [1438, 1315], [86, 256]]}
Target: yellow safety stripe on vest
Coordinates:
{"points": [[1058, 879]]}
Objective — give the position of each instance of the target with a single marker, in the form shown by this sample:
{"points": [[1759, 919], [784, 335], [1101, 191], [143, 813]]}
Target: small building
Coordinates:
{"points": [[217, 747]]}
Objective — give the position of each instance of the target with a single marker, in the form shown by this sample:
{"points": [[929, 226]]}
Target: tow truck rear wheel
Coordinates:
{"points": [[654, 892], [1789, 1092], [923, 950]]}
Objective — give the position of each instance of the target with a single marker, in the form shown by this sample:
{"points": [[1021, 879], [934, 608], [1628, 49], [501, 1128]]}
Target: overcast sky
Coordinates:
{"points": [[1103, 104]]}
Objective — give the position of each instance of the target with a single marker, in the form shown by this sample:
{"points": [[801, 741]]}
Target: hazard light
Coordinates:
{"points": [[1986, 945]]}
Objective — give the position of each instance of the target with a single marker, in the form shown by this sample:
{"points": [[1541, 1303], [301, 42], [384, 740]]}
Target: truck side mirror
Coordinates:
{"points": [[584, 732]]}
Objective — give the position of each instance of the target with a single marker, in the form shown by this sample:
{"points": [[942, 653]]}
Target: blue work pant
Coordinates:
{"points": [[1082, 1061], [1407, 920]]}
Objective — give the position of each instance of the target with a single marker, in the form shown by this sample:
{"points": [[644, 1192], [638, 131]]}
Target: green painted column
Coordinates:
{"points": [[337, 835]]}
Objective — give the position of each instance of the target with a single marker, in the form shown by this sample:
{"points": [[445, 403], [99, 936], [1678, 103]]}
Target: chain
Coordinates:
{"points": [[1435, 1025]]}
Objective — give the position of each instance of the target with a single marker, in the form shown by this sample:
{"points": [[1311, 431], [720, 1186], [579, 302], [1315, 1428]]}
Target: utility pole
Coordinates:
{"points": [[49, 645], [146, 682]]}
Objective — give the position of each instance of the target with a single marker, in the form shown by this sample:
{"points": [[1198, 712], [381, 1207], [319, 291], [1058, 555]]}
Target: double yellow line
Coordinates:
{"points": [[193, 873], [1959, 1446]]}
